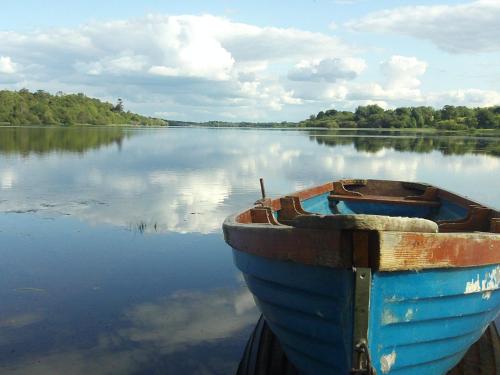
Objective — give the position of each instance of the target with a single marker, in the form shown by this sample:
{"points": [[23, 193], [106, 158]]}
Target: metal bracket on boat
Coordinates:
{"points": [[363, 366], [361, 357]]}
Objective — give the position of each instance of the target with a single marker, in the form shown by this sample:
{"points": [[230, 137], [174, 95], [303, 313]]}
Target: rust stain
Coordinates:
{"points": [[434, 250]]}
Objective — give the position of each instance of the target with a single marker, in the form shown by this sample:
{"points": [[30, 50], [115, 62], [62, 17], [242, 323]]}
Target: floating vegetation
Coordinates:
{"points": [[29, 210], [143, 227]]}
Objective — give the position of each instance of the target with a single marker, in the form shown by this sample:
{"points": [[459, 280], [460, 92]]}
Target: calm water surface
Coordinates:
{"points": [[112, 256]]}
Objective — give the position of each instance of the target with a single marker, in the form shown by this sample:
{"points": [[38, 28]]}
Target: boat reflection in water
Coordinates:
{"points": [[264, 355], [371, 276]]}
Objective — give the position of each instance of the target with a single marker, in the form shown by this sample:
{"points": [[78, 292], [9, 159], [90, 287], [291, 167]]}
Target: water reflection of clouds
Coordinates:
{"points": [[403, 169], [189, 180], [153, 332], [189, 318], [163, 200], [7, 178], [11, 324], [20, 320]]}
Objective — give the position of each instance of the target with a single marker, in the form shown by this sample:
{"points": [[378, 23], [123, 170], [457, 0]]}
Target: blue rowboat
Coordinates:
{"points": [[370, 276]]}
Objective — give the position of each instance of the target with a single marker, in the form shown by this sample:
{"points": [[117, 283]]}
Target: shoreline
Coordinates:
{"points": [[490, 132]]}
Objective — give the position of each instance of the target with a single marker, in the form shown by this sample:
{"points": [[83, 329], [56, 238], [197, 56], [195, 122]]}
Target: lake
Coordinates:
{"points": [[112, 254]]}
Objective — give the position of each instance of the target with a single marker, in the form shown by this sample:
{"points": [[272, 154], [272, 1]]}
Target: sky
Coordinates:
{"points": [[255, 60]]}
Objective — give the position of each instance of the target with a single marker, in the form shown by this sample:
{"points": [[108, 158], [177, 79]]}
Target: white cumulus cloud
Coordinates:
{"points": [[402, 82], [7, 66], [328, 70], [403, 71], [469, 97], [462, 28]]}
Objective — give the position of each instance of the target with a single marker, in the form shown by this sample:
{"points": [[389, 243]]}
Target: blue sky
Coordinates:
{"points": [[255, 61]]}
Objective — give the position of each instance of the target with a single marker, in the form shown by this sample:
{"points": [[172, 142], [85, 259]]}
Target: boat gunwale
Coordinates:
{"points": [[381, 250]]}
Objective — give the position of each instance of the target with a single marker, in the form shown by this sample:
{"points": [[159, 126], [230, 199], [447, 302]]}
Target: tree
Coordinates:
{"points": [[448, 112], [366, 111], [486, 119], [118, 107]]}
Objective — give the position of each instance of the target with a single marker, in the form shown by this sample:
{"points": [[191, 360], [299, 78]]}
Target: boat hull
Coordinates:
{"points": [[309, 308], [424, 322], [419, 322]]}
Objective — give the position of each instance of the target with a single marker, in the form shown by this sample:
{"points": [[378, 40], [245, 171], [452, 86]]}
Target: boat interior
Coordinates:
{"points": [[365, 198]]}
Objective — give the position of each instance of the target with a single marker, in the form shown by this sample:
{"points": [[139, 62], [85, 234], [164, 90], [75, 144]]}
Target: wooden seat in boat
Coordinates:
{"points": [[479, 218], [395, 193]]}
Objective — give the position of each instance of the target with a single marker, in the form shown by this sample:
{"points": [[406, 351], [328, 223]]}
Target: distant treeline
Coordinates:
{"points": [[41, 108], [224, 124], [372, 116]]}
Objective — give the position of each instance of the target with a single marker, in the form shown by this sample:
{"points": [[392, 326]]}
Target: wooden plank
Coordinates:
{"points": [[288, 209], [430, 194], [312, 192], [263, 215], [495, 225], [384, 199], [415, 251], [339, 189], [298, 205], [360, 256], [304, 194], [477, 219], [281, 242]]}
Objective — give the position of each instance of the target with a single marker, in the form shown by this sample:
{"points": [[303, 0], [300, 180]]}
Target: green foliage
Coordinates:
{"points": [[41, 108], [118, 107], [487, 119], [450, 125], [373, 116]]}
